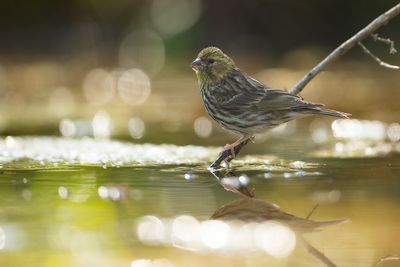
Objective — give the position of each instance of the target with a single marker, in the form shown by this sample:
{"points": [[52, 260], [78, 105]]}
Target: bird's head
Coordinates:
{"points": [[212, 64]]}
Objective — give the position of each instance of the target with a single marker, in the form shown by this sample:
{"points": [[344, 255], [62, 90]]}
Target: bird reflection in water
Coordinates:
{"points": [[240, 227], [275, 230]]}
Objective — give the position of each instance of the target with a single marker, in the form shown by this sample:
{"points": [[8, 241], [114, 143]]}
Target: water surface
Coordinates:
{"points": [[83, 209]]}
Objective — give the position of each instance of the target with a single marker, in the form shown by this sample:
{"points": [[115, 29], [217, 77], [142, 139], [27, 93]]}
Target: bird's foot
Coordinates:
{"points": [[231, 149]]}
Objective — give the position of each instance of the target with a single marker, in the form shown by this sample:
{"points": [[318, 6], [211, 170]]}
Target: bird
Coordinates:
{"points": [[243, 105]]}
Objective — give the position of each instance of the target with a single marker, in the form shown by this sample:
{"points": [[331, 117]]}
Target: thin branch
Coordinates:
{"points": [[346, 46], [388, 41], [377, 59], [317, 254], [312, 211], [387, 258]]}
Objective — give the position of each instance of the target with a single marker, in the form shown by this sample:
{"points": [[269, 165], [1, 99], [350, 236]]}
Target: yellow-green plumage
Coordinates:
{"points": [[222, 65]]}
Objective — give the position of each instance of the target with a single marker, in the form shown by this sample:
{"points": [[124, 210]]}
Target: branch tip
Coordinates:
{"points": [[377, 59], [368, 30]]}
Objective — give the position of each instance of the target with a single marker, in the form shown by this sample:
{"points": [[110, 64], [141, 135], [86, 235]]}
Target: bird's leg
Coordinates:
{"points": [[231, 147], [226, 155]]}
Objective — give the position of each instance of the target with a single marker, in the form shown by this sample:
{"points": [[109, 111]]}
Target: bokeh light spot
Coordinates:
{"points": [[275, 239], [320, 132], [63, 192], [136, 127], [144, 50], [151, 263], [185, 230], [67, 128], [2, 238], [141, 263], [171, 17], [359, 129], [214, 233], [99, 87], [101, 125], [102, 191], [202, 127], [134, 87], [393, 132], [151, 230]]}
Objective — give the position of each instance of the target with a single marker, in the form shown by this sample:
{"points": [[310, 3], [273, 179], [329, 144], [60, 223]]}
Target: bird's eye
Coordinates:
{"points": [[210, 61]]}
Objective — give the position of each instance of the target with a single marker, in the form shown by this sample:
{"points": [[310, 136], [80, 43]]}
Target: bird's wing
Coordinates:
{"points": [[240, 92], [251, 94], [283, 100]]}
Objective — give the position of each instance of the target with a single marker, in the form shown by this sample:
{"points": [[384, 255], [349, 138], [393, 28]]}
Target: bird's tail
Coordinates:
{"points": [[306, 225], [329, 112], [322, 224]]}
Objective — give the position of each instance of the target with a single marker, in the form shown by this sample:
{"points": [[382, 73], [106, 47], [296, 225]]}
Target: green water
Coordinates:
{"points": [[88, 214]]}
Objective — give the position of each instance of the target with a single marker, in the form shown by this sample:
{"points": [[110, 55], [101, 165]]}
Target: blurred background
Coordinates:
{"points": [[120, 69]]}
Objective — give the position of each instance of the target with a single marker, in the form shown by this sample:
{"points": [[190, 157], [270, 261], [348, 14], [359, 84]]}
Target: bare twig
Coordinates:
{"points": [[317, 254], [312, 211], [392, 49], [346, 46], [377, 59], [387, 258]]}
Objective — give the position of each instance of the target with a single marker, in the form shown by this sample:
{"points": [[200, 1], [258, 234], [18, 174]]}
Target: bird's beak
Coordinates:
{"points": [[197, 64]]}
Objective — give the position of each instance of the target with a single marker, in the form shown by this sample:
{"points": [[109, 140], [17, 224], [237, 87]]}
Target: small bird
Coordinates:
{"points": [[243, 105]]}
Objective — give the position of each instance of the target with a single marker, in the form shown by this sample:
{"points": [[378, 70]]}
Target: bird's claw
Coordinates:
{"points": [[231, 149]]}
